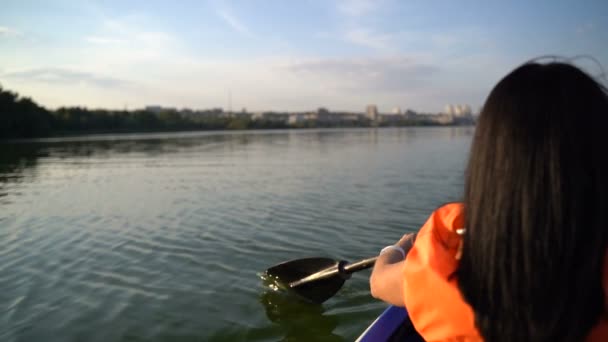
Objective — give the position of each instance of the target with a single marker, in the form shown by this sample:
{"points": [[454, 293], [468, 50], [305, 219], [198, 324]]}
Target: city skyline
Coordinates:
{"points": [[272, 55]]}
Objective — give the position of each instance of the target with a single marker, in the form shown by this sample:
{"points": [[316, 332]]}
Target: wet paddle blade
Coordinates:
{"points": [[320, 290], [316, 291], [294, 270]]}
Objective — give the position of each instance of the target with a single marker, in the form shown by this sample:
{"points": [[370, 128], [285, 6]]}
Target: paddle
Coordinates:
{"points": [[316, 279]]}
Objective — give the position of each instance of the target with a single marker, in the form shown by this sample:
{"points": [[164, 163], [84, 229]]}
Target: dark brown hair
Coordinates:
{"points": [[536, 206]]}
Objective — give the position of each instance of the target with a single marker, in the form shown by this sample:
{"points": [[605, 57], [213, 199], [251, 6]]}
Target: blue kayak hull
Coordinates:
{"points": [[392, 325]]}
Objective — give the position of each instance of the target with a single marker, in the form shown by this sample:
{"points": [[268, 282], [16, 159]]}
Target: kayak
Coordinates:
{"points": [[392, 325]]}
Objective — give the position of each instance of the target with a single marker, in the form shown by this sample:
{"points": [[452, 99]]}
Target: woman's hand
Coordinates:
{"points": [[386, 281], [406, 242]]}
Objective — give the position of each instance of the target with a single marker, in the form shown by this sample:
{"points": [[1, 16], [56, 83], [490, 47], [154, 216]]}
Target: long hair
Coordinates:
{"points": [[536, 207]]}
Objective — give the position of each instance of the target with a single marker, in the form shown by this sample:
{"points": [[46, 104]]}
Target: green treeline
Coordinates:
{"points": [[20, 117], [77, 119]]}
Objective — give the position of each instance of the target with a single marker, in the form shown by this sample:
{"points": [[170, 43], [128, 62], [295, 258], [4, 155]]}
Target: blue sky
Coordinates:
{"points": [[283, 54]]}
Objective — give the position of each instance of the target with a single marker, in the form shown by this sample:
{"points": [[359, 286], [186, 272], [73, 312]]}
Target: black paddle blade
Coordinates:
{"points": [[318, 290], [294, 270]]}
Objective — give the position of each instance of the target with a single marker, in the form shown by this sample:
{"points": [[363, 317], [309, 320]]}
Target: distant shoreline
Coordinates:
{"points": [[109, 135], [22, 118], [135, 131]]}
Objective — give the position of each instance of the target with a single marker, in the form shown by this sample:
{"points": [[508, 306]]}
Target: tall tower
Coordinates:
{"points": [[449, 109], [229, 102], [372, 112]]}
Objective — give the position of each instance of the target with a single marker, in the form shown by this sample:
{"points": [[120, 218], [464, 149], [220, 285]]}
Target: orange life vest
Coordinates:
{"points": [[432, 298]]}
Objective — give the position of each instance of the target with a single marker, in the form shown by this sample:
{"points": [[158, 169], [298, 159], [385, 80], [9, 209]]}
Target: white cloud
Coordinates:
{"points": [[63, 76], [134, 34], [356, 8], [104, 40], [124, 44], [366, 75], [7, 31], [235, 23], [368, 38]]}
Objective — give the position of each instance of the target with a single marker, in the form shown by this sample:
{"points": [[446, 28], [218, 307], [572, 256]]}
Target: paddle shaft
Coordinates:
{"points": [[341, 268], [360, 265]]}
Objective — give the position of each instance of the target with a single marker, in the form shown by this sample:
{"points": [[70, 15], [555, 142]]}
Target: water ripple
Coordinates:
{"points": [[163, 237]]}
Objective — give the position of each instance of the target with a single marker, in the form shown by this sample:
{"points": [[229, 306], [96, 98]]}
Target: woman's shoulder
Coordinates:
{"points": [[445, 225]]}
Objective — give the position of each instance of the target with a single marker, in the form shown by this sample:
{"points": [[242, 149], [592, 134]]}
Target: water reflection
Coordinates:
{"points": [[299, 320], [17, 163], [24, 154]]}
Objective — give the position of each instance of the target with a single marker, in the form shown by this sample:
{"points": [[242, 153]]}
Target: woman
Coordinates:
{"points": [[531, 264]]}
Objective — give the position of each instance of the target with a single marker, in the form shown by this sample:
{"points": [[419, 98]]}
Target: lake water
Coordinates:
{"points": [[163, 237]]}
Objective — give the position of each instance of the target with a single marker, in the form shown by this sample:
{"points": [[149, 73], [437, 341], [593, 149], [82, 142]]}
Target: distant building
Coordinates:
{"points": [[467, 111], [449, 109], [443, 119], [324, 116], [372, 112], [410, 115], [397, 110], [458, 110], [296, 118], [461, 114], [391, 118], [313, 116], [154, 109], [210, 113], [242, 115], [350, 117], [157, 109], [271, 117]]}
